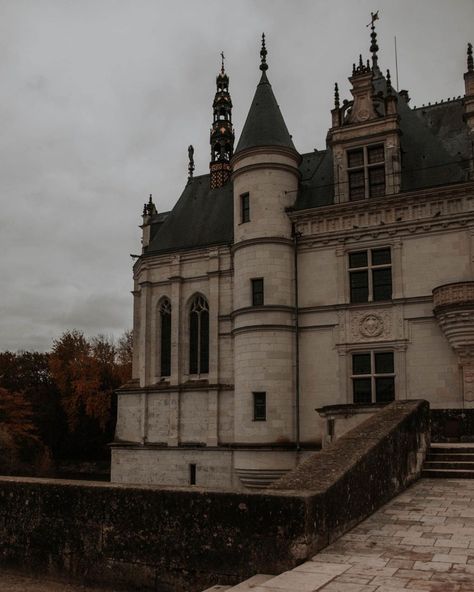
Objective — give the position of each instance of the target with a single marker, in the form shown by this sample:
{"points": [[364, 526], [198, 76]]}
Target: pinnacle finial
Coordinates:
{"points": [[470, 61], [389, 83], [222, 64], [336, 96], [191, 162], [374, 16], [149, 208], [263, 55]]}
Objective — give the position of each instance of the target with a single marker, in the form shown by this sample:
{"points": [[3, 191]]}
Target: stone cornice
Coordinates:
{"points": [[262, 241], [263, 327], [166, 387], [364, 305], [263, 150], [434, 209], [265, 308]]}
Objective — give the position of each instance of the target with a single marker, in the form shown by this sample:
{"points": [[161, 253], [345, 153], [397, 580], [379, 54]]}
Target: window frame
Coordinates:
{"points": [[367, 169], [198, 334], [257, 295], [192, 473], [244, 207], [370, 269], [165, 311], [373, 375], [258, 406]]}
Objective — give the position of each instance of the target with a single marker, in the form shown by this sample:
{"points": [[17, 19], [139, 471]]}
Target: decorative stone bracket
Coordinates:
{"points": [[454, 310]]}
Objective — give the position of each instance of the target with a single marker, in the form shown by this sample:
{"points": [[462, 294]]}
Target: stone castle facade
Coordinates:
{"points": [[286, 295]]}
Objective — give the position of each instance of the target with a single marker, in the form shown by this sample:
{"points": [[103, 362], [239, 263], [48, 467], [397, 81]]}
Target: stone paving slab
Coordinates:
{"points": [[422, 541]]}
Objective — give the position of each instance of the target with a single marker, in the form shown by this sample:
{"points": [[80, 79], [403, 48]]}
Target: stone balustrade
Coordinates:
{"points": [[453, 295], [454, 310]]}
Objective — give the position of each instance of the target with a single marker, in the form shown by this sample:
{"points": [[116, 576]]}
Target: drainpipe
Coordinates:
{"points": [[295, 235]]}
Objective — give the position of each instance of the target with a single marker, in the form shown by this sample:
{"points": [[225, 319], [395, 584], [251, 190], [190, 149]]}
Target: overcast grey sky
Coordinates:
{"points": [[100, 99]]}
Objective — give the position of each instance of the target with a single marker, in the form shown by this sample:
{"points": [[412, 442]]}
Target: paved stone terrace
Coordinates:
{"points": [[422, 541]]}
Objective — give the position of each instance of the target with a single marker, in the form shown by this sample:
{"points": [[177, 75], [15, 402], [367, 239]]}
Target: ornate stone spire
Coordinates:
{"points": [[373, 42], [263, 55], [470, 62], [336, 96], [149, 209], [222, 132], [191, 163], [389, 83]]}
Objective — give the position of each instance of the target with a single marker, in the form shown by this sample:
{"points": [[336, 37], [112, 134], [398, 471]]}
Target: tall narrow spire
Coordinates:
{"points": [[263, 55], [470, 61], [336, 96], [373, 42], [264, 125], [222, 132], [191, 163]]}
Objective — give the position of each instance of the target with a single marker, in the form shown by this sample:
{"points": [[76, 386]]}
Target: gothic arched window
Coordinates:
{"points": [[199, 336], [165, 337]]}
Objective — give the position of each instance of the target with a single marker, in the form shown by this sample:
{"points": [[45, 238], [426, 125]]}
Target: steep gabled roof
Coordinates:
{"points": [[264, 125], [201, 217]]}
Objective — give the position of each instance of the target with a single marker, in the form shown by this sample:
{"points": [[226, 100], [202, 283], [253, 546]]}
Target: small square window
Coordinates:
{"points": [[355, 158], [259, 406], [244, 208], [374, 283], [381, 256], [383, 363], [257, 292], [358, 259], [361, 364], [373, 377], [366, 172]]}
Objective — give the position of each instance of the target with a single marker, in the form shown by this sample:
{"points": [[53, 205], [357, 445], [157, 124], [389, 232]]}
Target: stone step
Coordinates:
{"points": [[449, 448], [251, 583], [449, 464], [451, 456], [217, 588], [447, 473]]}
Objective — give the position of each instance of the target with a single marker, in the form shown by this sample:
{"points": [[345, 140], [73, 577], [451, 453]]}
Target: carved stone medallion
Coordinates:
{"points": [[371, 325]]}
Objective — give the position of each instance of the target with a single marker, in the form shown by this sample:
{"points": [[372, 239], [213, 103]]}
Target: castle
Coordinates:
{"points": [[287, 296]]}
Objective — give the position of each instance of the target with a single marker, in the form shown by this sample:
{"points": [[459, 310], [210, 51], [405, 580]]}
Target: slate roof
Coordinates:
{"points": [[201, 217], [435, 149], [264, 125]]}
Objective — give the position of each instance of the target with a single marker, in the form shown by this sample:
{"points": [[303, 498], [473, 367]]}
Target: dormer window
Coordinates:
{"points": [[366, 172]]}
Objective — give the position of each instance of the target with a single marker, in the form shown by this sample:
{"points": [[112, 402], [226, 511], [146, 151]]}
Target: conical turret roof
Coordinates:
{"points": [[264, 125]]}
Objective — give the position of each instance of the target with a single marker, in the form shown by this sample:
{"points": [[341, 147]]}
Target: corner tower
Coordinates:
{"points": [[222, 132], [265, 178]]}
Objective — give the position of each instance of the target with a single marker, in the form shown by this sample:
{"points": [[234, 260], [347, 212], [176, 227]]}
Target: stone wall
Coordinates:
{"points": [[365, 467], [183, 539]]}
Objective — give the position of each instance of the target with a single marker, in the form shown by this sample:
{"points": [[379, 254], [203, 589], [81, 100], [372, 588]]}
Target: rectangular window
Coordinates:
{"points": [[370, 275], [192, 474], [373, 377], [244, 208], [259, 406], [257, 292], [366, 172]]}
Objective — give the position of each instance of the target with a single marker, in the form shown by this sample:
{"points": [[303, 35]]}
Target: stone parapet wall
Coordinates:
{"points": [[365, 467], [184, 539]]}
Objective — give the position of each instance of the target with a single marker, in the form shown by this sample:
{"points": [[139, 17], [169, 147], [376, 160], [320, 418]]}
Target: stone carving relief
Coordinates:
{"points": [[370, 326]]}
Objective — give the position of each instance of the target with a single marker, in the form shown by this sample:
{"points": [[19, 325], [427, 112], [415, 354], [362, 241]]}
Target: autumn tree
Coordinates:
{"points": [[21, 449]]}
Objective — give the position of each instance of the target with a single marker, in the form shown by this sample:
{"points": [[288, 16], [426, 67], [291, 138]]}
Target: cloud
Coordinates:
{"points": [[101, 99]]}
